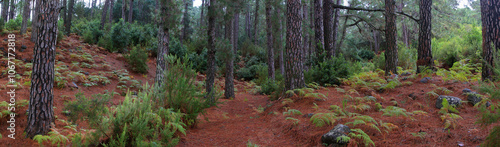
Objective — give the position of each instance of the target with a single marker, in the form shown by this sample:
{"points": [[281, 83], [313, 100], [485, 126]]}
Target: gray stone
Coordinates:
{"points": [[451, 100], [309, 115], [330, 138], [474, 98], [24, 47], [406, 74], [425, 80], [466, 90]]}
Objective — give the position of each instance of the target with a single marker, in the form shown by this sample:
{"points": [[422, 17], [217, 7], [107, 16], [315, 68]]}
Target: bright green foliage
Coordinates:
{"points": [[490, 88], [361, 107], [54, 137], [464, 44], [295, 121], [292, 112], [492, 139], [461, 71], [250, 144], [364, 120], [447, 108], [305, 93], [420, 135], [343, 138], [137, 60], [90, 109], [330, 71], [362, 137], [394, 111], [371, 80], [407, 57], [4, 107], [391, 84], [14, 24], [322, 119]]}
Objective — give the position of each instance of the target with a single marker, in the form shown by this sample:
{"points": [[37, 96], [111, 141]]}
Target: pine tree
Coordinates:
{"points": [[424, 36], [294, 76]]}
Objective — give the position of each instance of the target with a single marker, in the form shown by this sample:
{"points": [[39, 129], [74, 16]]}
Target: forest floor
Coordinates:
{"points": [[250, 117]]}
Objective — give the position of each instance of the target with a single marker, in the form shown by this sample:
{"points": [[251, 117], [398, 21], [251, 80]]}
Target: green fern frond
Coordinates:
{"points": [[343, 138], [292, 112], [361, 135], [340, 90], [295, 121], [286, 101], [394, 111], [322, 119], [361, 107]]}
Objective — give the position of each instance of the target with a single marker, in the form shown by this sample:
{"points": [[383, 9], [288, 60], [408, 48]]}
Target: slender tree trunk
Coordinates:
{"points": [[490, 12], [318, 26], [280, 44], [64, 12], [344, 30], [305, 31], [236, 31], [34, 24], [185, 21], [93, 8], [404, 29], [294, 76], [202, 8], [26, 16], [5, 10], [335, 30], [70, 16], [256, 21], [104, 12], [229, 83], [131, 12], [424, 36], [163, 42], [124, 8], [12, 9], [211, 69], [391, 53], [247, 21], [111, 5], [328, 26], [270, 50], [376, 41], [41, 112]]}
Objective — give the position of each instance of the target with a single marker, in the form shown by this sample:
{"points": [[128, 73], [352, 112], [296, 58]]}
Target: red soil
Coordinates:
{"points": [[239, 121]]}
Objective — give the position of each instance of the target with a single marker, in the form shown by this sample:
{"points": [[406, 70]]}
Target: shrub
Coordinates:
{"points": [[249, 73], [88, 109], [137, 60], [14, 24], [379, 61], [120, 36], [407, 57], [2, 24], [366, 54], [176, 48], [330, 71], [199, 61]]}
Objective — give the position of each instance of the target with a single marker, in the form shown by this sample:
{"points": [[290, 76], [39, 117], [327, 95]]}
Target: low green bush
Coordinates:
{"points": [[137, 60], [366, 54], [330, 71], [14, 24]]}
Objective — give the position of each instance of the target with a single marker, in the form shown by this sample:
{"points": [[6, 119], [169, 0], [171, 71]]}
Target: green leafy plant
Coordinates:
{"points": [[294, 120], [447, 108], [322, 119], [292, 112], [137, 60], [420, 135], [361, 137]]}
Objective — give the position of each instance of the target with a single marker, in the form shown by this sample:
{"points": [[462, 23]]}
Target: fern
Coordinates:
{"points": [[343, 138], [450, 120], [295, 121], [447, 108], [395, 111], [420, 135], [250, 144], [364, 120], [322, 119], [286, 101], [361, 107], [362, 136], [292, 112], [54, 137]]}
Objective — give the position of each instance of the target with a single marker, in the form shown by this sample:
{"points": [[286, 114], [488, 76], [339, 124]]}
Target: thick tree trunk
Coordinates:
{"points": [[391, 52], [34, 24], [376, 41], [124, 8], [104, 12], [131, 12], [26, 16], [424, 36], [328, 26], [5, 10], [294, 76], [41, 112], [270, 50], [111, 5], [229, 83], [12, 9], [256, 21], [490, 12], [163, 42], [318, 27], [70, 16], [305, 31], [335, 30], [64, 11], [211, 69]]}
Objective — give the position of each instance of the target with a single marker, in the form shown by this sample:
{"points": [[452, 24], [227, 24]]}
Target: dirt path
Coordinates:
{"points": [[235, 123]]}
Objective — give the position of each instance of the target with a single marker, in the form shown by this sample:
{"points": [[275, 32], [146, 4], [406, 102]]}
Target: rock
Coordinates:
{"points": [[466, 90], [330, 138], [406, 74], [451, 100], [73, 85], [309, 115], [86, 73], [473, 98], [425, 80], [24, 47]]}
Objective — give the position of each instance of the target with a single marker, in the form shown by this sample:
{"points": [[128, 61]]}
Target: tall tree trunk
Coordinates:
{"points": [[391, 52], [404, 29], [247, 21], [41, 112], [376, 41], [211, 69], [64, 11], [111, 5], [256, 21], [104, 12], [12, 9], [490, 12], [93, 8], [270, 50], [318, 27], [305, 43], [280, 44], [335, 30], [424, 36], [236, 31], [70, 16], [131, 11], [163, 42], [229, 83], [294, 76], [328, 26], [202, 8], [26, 16], [5, 10], [344, 30], [124, 8], [185, 21], [34, 26]]}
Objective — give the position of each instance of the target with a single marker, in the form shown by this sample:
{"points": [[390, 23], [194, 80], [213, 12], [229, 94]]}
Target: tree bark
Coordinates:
{"points": [[490, 12], [270, 50], [335, 30], [185, 21], [247, 21], [391, 53], [280, 45], [41, 112], [318, 27], [424, 36], [111, 5], [236, 31], [124, 8], [163, 42], [404, 29], [63, 13], [12, 9], [202, 7], [104, 12], [294, 76], [131, 12], [26, 16], [305, 43], [93, 8], [70, 16], [34, 24], [211, 69], [328, 26], [5, 9], [229, 83], [256, 21]]}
